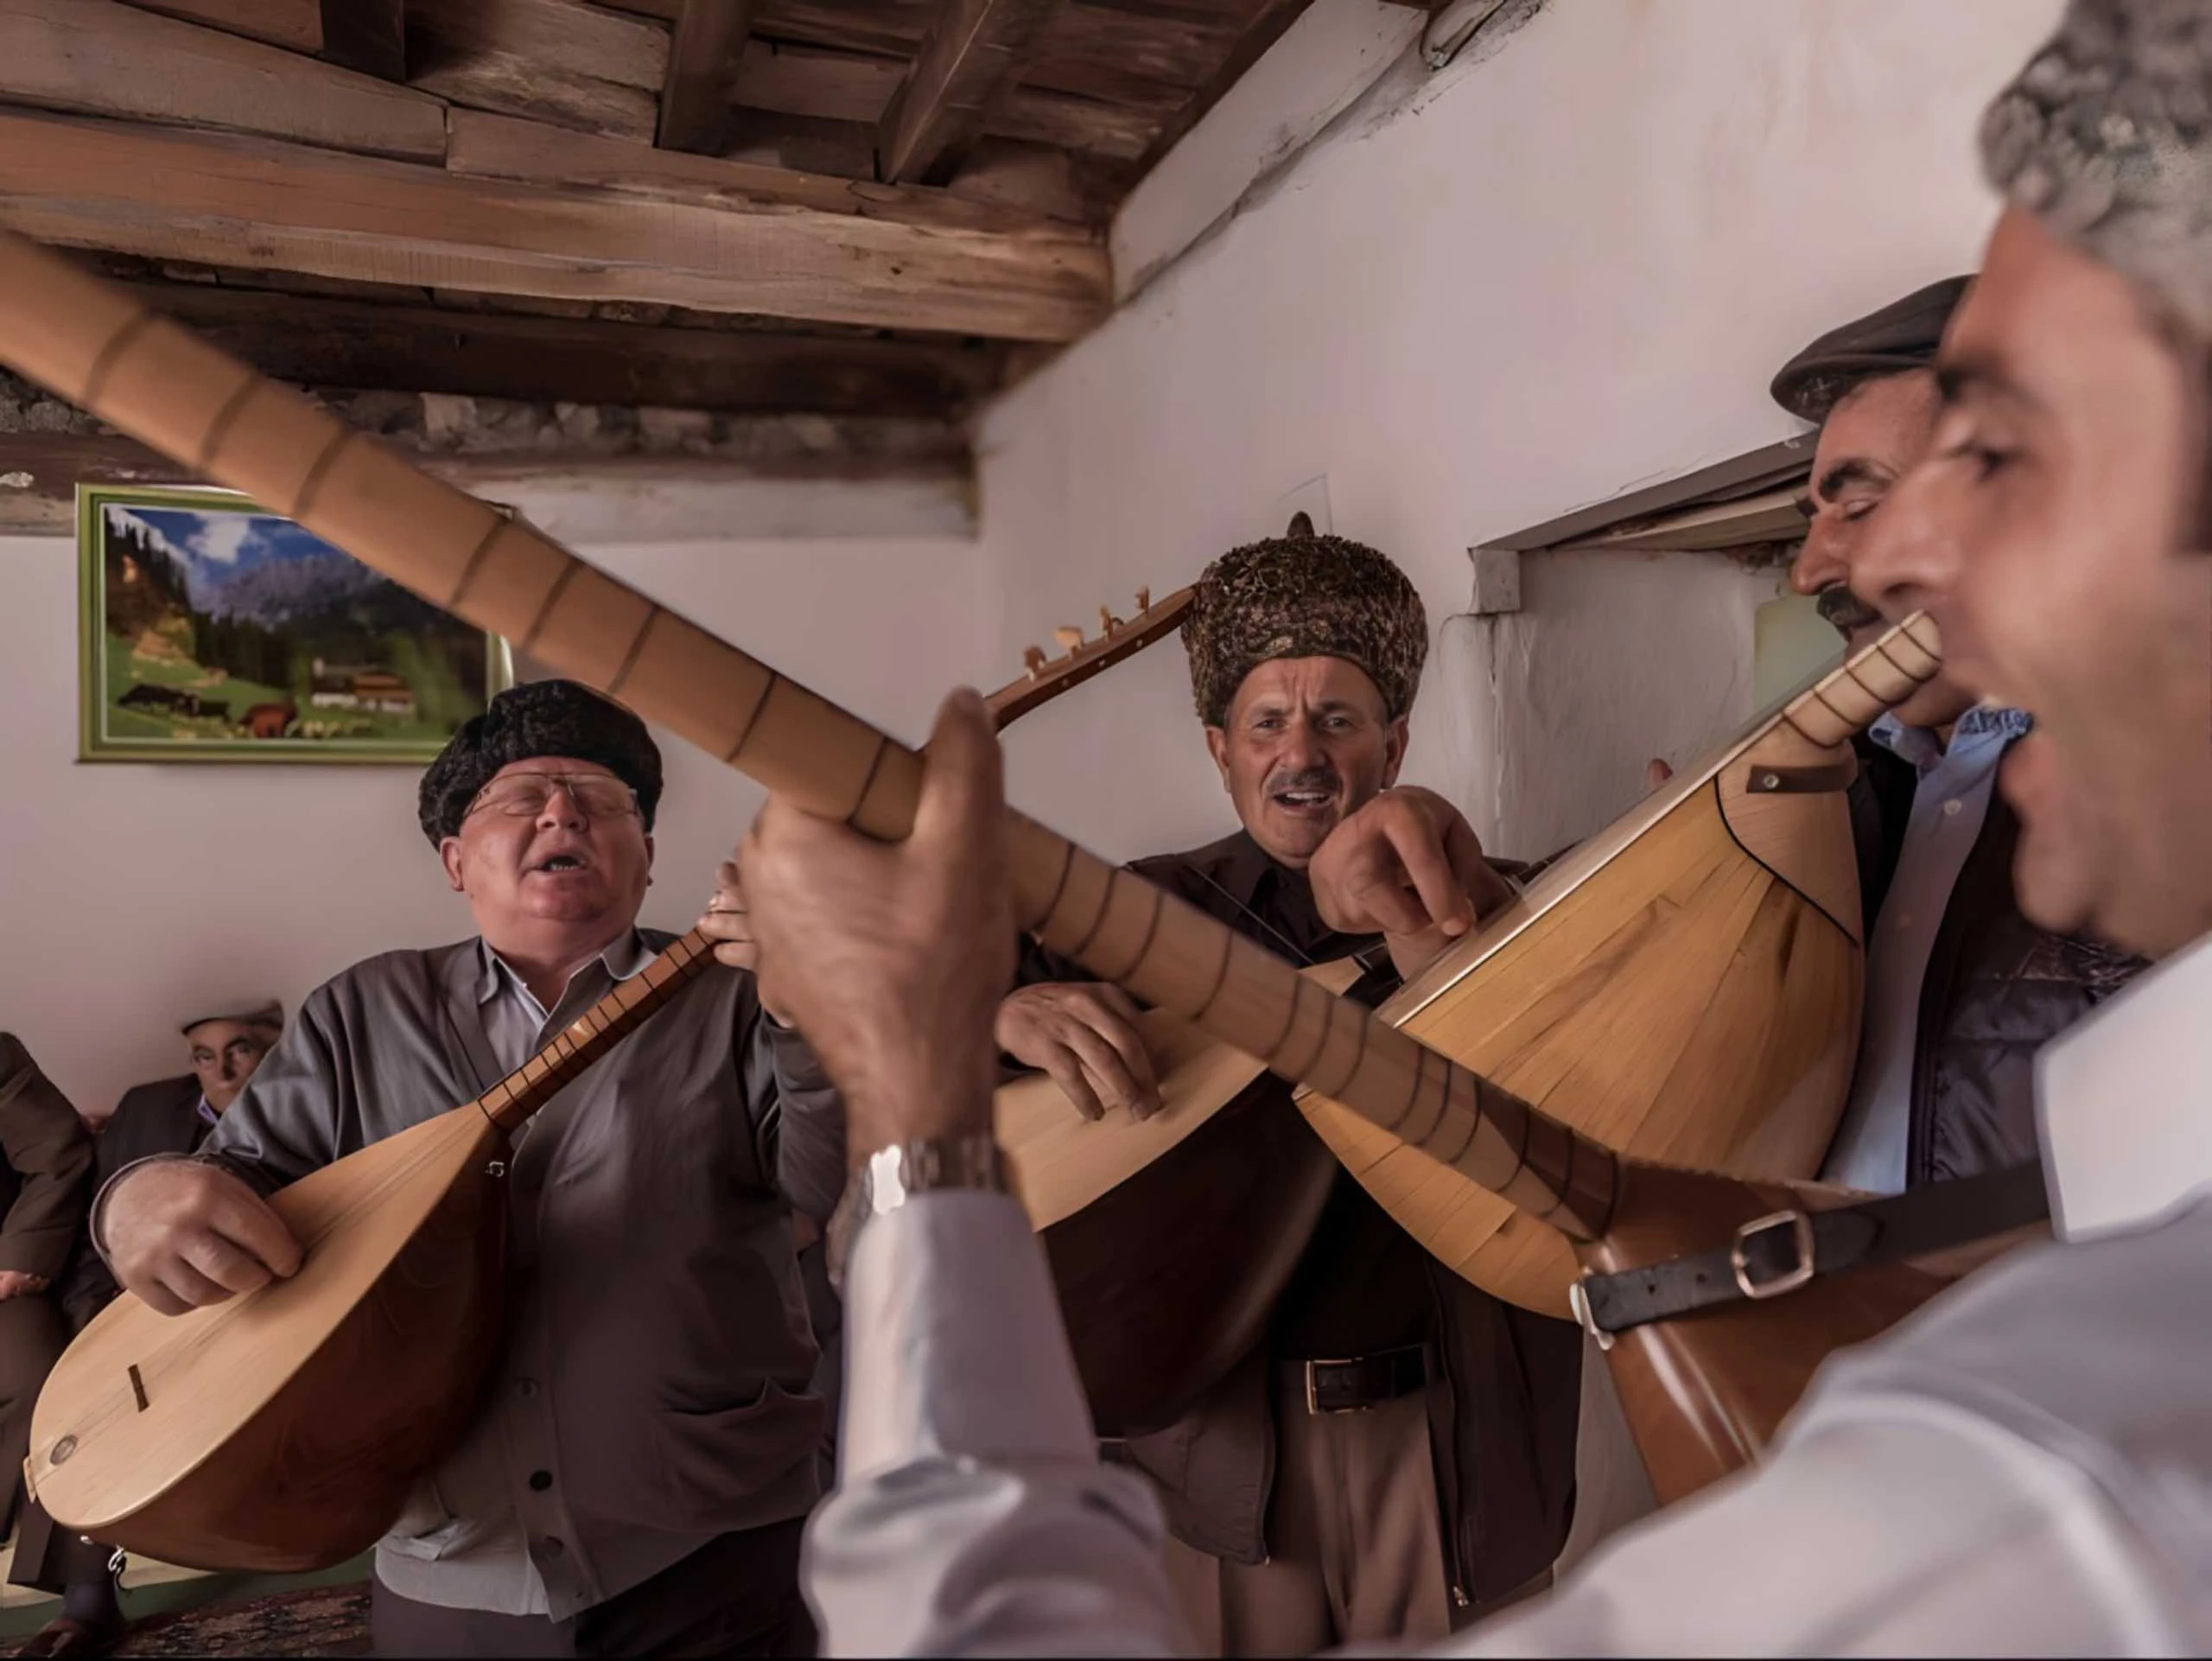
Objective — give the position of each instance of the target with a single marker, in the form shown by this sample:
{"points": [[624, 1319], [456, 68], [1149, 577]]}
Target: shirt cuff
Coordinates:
{"points": [[956, 1342], [96, 1222]]}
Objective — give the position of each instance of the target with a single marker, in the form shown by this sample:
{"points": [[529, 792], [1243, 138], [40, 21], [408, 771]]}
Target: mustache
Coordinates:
{"points": [[1310, 779], [1843, 610]]}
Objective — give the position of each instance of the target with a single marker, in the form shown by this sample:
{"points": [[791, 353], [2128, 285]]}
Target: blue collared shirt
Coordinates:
{"points": [[1948, 808]]}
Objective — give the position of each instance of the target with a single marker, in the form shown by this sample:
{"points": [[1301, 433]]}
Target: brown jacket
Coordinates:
{"points": [[162, 1117], [1502, 1428], [46, 1184]]}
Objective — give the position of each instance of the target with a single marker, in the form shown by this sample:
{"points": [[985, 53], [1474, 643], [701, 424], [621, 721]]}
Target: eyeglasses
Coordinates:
{"points": [[525, 796]]}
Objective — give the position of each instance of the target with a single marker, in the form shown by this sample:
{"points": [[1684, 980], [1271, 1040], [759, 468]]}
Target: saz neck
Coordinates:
{"points": [[510, 1103]]}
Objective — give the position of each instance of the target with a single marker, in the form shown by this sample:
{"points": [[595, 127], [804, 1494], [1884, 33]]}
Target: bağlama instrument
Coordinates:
{"points": [[225, 1438]]}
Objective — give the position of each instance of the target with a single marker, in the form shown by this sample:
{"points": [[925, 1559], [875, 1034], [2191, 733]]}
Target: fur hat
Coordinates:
{"points": [[1304, 597], [2106, 137], [543, 717]]}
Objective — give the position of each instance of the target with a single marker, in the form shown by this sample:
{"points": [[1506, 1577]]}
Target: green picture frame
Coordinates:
{"points": [[211, 630]]}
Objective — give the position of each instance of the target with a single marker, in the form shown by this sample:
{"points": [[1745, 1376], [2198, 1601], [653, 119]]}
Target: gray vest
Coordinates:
{"points": [[653, 1391]]}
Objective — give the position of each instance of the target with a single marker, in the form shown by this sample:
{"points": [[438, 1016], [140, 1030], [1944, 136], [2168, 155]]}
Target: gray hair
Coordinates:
{"points": [[2107, 138]]}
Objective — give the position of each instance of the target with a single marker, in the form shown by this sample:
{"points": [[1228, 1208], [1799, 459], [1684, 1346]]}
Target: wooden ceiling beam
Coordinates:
{"points": [[296, 25], [311, 340], [96, 57], [1266, 22], [919, 262], [823, 85], [557, 61], [369, 36], [702, 57], [963, 70]]}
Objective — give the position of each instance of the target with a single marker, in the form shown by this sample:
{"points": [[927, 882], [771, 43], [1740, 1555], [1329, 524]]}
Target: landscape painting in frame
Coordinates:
{"points": [[216, 631]]}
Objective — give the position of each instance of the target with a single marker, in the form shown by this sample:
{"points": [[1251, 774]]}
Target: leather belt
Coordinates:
{"points": [[1777, 1254], [1364, 1381]]}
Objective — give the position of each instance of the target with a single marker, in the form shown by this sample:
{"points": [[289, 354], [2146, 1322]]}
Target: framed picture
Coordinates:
{"points": [[214, 631]]}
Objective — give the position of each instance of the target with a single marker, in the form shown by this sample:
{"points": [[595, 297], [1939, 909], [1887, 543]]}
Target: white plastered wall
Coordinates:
{"points": [[128, 892], [1482, 299]]}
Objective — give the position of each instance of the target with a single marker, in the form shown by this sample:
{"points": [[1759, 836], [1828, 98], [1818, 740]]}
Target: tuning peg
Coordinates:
{"points": [[1070, 637], [1144, 599], [1107, 621], [1034, 659]]}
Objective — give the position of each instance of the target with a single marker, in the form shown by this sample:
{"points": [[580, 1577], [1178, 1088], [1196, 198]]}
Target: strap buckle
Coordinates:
{"points": [[1801, 1228], [1578, 1301]]}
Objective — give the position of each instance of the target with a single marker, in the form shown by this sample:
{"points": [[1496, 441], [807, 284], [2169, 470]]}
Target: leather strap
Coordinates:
{"points": [[1777, 1254], [1363, 1381]]}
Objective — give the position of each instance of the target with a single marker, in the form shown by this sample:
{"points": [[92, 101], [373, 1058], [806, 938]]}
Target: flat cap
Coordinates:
{"points": [[540, 718], [247, 1012], [1902, 335]]}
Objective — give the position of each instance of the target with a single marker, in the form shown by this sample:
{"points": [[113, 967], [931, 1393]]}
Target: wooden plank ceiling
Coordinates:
{"points": [[868, 211]]}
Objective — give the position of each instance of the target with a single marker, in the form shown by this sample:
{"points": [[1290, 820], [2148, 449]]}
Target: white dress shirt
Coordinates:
{"points": [[2025, 1468]]}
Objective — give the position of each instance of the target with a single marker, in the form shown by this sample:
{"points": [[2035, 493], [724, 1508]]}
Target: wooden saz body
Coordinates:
{"points": [[336, 1388], [283, 1429], [1684, 987]]}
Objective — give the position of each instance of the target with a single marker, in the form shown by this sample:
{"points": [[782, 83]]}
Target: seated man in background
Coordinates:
{"points": [[637, 1479], [45, 1186], [171, 1115], [1961, 990]]}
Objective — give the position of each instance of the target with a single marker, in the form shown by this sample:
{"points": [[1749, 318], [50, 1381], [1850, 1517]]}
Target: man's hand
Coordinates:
{"points": [[18, 1283], [182, 1234], [728, 923], [1406, 866], [893, 957], [1086, 1037]]}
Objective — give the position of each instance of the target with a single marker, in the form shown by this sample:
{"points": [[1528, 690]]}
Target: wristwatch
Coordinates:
{"points": [[889, 1177]]}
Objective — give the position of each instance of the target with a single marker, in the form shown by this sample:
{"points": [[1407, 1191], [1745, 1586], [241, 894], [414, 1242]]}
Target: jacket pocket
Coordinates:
{"points": [[718, 1465]]}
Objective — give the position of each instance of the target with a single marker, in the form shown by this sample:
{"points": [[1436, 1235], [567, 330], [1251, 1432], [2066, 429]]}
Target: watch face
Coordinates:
{"points": [[887, 1174], [889, 1177]]}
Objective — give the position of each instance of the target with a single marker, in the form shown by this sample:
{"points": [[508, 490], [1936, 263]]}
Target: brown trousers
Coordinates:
{"points": [[736, 1595], [1357, 1549], [33, 1334], [32, 1337]]}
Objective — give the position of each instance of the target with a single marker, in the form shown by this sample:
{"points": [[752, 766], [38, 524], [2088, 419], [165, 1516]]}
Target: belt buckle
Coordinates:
{"points": [[1801, 1228], [1314, 1407], [1313, 1394]]}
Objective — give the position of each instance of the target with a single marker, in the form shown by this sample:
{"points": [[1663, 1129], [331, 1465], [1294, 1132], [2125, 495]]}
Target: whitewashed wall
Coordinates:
{"points": [[1482, 299], [127, 892]]}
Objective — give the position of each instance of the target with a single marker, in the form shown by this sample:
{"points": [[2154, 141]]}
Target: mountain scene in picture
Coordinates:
{"points": [[231, 632]]}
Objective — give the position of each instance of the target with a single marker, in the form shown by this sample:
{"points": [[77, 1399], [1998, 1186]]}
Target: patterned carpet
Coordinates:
{"points": [[319, 1620]]}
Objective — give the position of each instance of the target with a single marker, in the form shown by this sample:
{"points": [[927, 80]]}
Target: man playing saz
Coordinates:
{"points": [[2025, 1465], [635, 1480]]}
